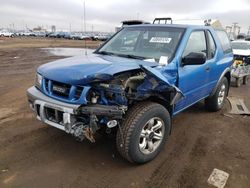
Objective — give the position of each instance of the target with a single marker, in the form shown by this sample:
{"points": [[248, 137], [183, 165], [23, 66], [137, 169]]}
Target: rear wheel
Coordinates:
{"points": [[244, 80], [143, 132], [216, 102], [238, 82]]}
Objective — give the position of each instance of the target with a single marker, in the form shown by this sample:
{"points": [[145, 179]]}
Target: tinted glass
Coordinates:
{"points": [[146, 42], [196, 43], [225, 42]]}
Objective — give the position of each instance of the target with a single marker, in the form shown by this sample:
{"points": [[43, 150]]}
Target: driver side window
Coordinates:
{"points": [[196, 43]]}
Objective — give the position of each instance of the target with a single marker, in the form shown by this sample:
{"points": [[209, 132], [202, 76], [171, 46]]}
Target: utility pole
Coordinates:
{"points": [[235, 25], [84, 16], [81, 24]]}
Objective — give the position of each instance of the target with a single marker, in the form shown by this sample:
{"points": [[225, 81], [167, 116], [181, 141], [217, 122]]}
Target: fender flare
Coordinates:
{"points": [[227, 70]]}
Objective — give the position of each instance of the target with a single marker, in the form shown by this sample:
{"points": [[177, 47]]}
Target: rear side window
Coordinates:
{"points": [[225, 42]]}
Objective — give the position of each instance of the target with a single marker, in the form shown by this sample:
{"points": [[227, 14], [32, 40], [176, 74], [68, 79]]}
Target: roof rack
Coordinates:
{"points": [[158, 20], [134, 22]]}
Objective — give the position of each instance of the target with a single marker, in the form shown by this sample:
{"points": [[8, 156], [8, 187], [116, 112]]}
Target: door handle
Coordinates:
{"points": [[207, 69]]}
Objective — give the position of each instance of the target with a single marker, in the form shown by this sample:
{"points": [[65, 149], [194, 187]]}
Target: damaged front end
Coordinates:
{"points": [[107, 101]]}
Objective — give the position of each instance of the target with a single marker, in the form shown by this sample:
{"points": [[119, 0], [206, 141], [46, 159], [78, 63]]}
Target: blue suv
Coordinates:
{"points": [[134, 84]]}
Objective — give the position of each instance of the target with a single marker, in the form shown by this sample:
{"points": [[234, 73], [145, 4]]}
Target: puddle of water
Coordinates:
{"points": [[68, 51]]}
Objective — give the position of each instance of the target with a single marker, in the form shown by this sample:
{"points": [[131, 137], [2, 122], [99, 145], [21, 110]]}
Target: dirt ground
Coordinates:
{"points": [[33, 154]]}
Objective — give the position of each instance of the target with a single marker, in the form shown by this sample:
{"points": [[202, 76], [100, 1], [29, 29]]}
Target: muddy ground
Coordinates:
{"points": [[33, 154]]}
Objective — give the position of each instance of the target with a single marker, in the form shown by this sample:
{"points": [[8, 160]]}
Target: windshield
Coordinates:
{"points": [[241, 46], [144, 42]]}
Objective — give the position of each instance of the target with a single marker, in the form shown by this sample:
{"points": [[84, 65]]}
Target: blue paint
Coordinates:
{"points": [[193, 81]]}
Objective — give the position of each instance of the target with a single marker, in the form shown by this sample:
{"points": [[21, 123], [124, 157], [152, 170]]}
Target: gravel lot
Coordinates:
{"points": [[33, 154]]}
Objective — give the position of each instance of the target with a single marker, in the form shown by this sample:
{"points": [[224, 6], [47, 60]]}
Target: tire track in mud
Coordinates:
{"points": [[14, 117], [30, 143], [174, 171], [190, 174], [24, 136], [167, 169]]}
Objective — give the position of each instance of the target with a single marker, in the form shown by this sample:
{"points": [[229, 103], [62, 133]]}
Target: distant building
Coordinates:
{"points": [[38, 29], [53, 28]]}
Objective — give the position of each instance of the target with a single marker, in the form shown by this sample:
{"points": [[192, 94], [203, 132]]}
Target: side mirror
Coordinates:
{"points": [[194, 58]]}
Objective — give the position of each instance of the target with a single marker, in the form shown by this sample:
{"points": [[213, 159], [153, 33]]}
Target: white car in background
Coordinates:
{"points": [[5, 33], [241, 66], [241, 51]]}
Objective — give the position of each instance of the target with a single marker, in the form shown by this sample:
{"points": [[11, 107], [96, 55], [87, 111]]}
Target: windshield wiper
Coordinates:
{"points": [[105, 53], [130, 56], [121, 55]]}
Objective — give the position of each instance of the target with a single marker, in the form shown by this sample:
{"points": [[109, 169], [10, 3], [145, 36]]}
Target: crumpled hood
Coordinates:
{"points": [[81, 70]]}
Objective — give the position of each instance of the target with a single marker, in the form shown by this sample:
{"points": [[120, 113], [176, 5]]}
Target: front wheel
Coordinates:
{"points": [[216, 102], [143, 132]]}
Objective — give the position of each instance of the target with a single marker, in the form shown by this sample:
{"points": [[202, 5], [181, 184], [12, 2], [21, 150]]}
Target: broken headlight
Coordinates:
{"points": [[38, 81]]}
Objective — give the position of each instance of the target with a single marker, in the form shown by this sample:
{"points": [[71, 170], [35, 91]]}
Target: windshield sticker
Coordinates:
{"points": [[160, 40], [163, 60]]}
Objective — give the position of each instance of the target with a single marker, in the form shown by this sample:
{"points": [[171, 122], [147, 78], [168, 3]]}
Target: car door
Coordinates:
{"points": [[194, 79]]}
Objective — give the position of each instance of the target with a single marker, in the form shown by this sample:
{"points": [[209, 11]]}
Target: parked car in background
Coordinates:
{"points": [[241, 51], [40, 34], [6, 33], [28, 34], [75, 36], [101, 37], [60, 34], [241, 66], [52, 34], [241, 36], [85, 37]]}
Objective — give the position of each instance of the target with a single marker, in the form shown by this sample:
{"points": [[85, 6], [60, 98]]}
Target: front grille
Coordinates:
{"points": [[37, 108], [78, 92], [62, 90], [53, 115]]}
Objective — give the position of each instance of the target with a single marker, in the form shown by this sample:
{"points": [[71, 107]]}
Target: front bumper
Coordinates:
{"points": [[55, 113], [69, 117]]}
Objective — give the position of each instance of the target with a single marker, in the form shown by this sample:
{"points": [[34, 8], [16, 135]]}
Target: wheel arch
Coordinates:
{"points": [[227, 74], [166, 104]]}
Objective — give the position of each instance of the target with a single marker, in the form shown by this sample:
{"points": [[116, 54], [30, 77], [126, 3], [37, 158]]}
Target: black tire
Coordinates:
{"points": [[245, 80], [212, 103], [238, 82], [128, 135]]}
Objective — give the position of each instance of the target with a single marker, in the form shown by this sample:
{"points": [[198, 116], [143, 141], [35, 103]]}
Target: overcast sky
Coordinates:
{"points": [[104, 15]]}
